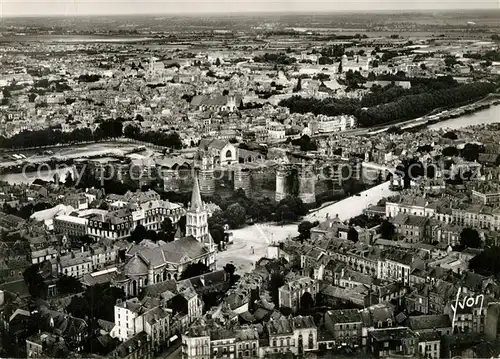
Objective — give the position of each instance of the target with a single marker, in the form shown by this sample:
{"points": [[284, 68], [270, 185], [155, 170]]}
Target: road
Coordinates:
{"points": [[352, 206]]}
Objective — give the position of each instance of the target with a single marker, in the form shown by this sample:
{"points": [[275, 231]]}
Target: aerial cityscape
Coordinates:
{"points": [[249, 180]]}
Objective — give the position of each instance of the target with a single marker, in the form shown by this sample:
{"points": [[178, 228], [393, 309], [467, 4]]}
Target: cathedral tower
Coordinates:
{"points": [[197, 217]]}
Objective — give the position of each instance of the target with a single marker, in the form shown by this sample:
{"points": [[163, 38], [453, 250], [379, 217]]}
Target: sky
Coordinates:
{"points": [[130, 7]]}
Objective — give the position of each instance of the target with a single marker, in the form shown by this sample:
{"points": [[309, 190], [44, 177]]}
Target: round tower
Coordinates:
{"points": [[242, 179], [281, 190], [307, 184], [206, 175], [171, 180]]}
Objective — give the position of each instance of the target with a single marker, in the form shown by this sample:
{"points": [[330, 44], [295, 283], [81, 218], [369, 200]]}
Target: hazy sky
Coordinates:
{"points": [[102, 7]]}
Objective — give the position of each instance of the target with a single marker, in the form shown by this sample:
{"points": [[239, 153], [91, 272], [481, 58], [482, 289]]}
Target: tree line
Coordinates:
{"points": [[405, 107], [165, 139], [106, 129]]}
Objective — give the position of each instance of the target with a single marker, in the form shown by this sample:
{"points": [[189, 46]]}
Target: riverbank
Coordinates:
{"points": [[66, 154], [434, 118]]}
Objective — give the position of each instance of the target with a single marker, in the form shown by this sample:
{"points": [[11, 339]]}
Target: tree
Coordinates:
{"points": [[450, 61], [305, 229], [486, 263], [132, 131], [138, 234], [236, 215], [340, 67], [387, 229], [298, 88], [217, 62], [230, 269], [97, 302], [68, 285], [79, 307], [217, 234], [194, 270], [182, 225], [450, 151], [104, 206], [217, 219], [352, 235], [450, 135], [471, 151], [306, 303], [168, 228], [68, 180], [34, 281], [470, 238], [423, 66], [277, 281]]}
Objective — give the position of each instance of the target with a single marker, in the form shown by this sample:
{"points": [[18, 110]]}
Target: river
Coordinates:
{"points": [[483, 117], [487, 116], [43, 173]]}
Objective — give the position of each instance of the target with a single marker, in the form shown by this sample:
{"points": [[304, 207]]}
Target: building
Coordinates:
{"points": [[292, 293], [133, 317], [486, 193], [275, 132], [297, 335], [416, 206], [429, 345], [224, 152], [389, 342], [411, 227], [76, 200], [247, 339], [397, 265], [70, 225], [345, 325], [196, 343], [130, 210], [422, 324], [73, 265]]}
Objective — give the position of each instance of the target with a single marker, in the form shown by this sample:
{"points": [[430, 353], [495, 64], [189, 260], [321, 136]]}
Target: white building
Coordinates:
{"points": [[275, 132]]}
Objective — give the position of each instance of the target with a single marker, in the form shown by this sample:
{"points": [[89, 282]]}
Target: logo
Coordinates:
{"points": [[467, 302]]}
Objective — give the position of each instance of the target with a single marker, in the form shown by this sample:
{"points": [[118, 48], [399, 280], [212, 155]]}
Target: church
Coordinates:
{"points": [[146, 265]]}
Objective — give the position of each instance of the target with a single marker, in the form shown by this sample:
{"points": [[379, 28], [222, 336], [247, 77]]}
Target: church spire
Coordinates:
{"points": [[196, 196]]}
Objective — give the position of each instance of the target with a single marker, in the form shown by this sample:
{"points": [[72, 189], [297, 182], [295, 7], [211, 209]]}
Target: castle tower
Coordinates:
{"points": [[171, 182], [281, 186], [242, 180], [197, 217], [207, 179], [307, 184]]}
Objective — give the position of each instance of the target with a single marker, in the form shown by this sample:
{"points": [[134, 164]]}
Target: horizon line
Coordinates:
{"points": [[263, 12]]}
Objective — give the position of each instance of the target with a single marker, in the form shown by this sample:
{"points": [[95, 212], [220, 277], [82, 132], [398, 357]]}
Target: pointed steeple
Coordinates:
{"points": [[196, 196]]}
